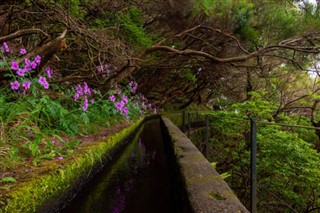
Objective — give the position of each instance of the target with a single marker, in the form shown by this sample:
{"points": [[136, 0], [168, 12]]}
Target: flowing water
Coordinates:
{"points": [[139, 180]]}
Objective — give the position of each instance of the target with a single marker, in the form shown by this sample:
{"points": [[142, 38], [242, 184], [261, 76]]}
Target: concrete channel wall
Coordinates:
{"points": [[206, 191]]}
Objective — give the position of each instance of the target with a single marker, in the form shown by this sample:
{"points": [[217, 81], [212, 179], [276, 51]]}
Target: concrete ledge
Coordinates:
{"points": [[206, 190]]}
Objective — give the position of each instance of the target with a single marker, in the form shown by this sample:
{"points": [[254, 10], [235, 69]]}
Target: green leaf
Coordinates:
{"points": [[8, 180], [73, 143], [84, 117], [225, 175]]}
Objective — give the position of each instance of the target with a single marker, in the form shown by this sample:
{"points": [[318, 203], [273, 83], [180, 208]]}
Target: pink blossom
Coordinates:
{"points": [[6, 47], [76, 96], [79, 90], [86, 89], [99, 69], [119, 91], [27, 68], [125, 99], [85, 105], [20, 72], [126, 111], [49, 72], [60, 158], [15, 85], [26, 85], [14, 65], [43, 82], [37, 59], [120, 105], [155, 111], [27, 61], [112, 98], [33, 65], [92, 101], [23, 51]]}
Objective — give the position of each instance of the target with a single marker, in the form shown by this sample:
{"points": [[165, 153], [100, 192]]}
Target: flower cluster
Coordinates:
{"points": [[21, 76], [106, 68], [133, 86], [123, 102], [143, 103], [83, 93]]}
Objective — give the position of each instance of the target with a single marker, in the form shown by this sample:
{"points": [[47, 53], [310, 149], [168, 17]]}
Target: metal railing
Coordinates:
{"points": [[201, 120]]}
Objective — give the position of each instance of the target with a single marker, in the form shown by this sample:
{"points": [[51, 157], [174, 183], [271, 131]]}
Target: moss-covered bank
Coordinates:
{"points": [[46, 192]]}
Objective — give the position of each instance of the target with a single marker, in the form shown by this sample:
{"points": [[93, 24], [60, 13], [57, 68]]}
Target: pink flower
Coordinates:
{"points": [[15, 85], [85, 105], [79, 90], [49, 72], [120, 105], [126, 111], [33, 65], [119, 91], [92, 101], [76, 96], [99, 69], [23, 51], [14, 65], [60, 158], [112, 98], [37, 59], [125, 99], [27, 61], [26, 85], [20, 72], [155, 111], [86, 89], [6, 47], [43, 82], [27, 68]]}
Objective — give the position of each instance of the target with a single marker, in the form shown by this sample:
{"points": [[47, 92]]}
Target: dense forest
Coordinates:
{"points": [[70, 67]]}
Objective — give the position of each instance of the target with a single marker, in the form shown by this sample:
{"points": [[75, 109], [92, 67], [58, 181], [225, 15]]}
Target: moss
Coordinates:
{"points": [[32, 195], [216, 196]]}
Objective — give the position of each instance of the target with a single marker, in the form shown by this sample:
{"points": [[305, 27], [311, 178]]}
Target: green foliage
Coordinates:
{"points": [[73, 7], [257, 107], [285, 159], [286, 156], [188, 75], [283, 22], [131, 23]]}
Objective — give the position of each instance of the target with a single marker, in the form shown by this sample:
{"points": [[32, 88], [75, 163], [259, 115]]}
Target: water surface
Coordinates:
{"points": [[139, 180]]}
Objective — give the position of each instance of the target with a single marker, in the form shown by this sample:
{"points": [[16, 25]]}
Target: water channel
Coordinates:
{"points": [[139, 179]]}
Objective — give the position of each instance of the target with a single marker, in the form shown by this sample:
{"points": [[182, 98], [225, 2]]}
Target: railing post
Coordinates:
{"points": [[207, 136], [253, 137], [183, 121], [189, 124]]}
